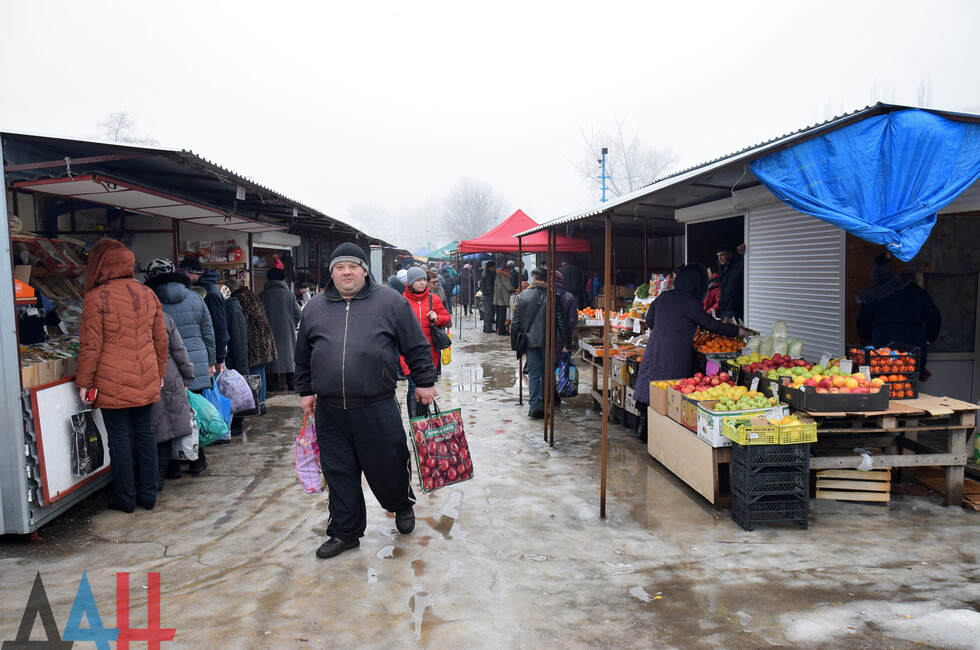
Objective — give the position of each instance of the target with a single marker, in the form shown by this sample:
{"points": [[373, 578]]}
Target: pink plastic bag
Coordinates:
{"points": [[308, 459]]}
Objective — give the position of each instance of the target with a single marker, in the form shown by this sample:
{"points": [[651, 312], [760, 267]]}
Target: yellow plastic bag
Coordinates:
{"points": [[447, 354]]}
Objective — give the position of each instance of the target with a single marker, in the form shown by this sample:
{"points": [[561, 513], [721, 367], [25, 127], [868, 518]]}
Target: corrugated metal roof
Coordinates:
{"points": [[180, 173], [663, 187]]}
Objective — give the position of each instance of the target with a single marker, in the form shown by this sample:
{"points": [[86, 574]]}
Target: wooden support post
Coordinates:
{"points": [[605, 367]]}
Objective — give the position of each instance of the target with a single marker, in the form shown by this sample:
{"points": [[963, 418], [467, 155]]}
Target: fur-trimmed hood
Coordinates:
{"points": [[882, 291]]}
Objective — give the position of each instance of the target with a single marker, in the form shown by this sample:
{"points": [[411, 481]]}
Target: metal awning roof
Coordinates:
{"points": [[209, 193], [711, 181]]}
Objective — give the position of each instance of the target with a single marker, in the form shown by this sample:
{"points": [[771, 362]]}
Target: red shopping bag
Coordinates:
{"points": [[441, 452]]}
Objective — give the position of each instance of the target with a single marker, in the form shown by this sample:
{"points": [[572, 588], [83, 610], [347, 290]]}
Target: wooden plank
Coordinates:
{"points": [[898, 460], [883, 497], [691, 459], [870, 486], [874, 474]]}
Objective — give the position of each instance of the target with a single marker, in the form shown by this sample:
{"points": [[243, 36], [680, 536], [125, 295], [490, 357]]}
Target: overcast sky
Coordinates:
{"points": [[383, 106]]}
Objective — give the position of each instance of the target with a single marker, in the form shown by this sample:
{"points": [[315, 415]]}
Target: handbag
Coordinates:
{"points": [[87, 452], [566, 377], [232, 384], [210, 424], [441, 452], [519, 344], [308, 458], [219, 401], [440, 337]]}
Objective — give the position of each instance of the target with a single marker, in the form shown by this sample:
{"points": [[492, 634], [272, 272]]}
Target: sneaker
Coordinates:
{"points": [[405, 521], [336, 546]]}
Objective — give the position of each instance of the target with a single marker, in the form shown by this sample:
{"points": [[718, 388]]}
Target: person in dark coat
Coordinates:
{"points": [[172, 414], [487, 282], [502, 290], [395, 282], [467, 288], [283, 314], [573, 279], [896, 309], [261, 342], [208, 280], [448, 281], [672, 320], [568, 305], [193, 321], [237, 356], [731, 299]]}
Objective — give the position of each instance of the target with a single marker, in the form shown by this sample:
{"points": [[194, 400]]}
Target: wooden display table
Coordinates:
{"points": [[705, 468], [897, 431]]}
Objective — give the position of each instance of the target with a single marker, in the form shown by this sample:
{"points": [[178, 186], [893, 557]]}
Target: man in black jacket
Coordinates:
{"points": [[345, 375], [530, 318], [731, 301], [487, 282]]}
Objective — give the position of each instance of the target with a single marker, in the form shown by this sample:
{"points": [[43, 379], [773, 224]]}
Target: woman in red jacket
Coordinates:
{"points": [[429, 311]]}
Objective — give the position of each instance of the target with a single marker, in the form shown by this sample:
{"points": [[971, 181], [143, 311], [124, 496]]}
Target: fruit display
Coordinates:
{"points": [[885, 360], [709, 343], [836, 382], [700, 383], [771, 367], [665, 384]]}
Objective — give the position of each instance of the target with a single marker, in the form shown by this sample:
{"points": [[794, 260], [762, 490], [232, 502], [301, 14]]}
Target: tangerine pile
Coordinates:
{"points": [[709, 343]]}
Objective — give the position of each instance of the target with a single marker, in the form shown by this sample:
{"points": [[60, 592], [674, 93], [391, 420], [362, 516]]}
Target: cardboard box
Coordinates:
{"points": [[674, 400], [617, 394], [689, 412], [48, 371], [28, 374], [658, 398], [710, 423], [630, 402]]}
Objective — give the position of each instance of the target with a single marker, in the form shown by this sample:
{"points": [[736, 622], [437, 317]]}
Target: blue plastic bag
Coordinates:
{"points": [[220, 402], [566, 377], [210, 425]]}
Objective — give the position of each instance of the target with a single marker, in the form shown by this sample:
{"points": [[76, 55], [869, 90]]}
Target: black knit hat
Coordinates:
{"points": [[349, 252], [192, 264]]}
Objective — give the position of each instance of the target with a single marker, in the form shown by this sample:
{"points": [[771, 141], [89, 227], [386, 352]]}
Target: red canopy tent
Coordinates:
{"points": [[501, 239]]}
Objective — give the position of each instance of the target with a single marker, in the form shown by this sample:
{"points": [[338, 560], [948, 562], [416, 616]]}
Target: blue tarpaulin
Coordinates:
{"points": [[882, 179]]}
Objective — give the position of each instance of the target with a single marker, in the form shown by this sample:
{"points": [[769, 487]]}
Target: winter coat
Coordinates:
{"points": [[673, 318], [714, 294], [731, 300], [447, 280], [261, 342], [216, 308], [502, 288], [420, 308], [346, 347], [193, 320], [440, 292], [488, 280], [568, 304], [283, 314], [467, 286], [172, 414], [122, 338], [900, 311], [237, 357], [396, 284], [527, 308], [573, 278]]}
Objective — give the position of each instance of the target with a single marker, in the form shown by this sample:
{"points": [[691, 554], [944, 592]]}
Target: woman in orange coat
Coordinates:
{"points": [[420, 298], [123, 353]]}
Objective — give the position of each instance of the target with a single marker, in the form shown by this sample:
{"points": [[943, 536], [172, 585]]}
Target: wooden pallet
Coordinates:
{"points": [[855, 485], [935, 479]]}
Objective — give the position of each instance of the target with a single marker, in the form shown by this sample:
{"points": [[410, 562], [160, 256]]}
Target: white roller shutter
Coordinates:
{"points": [[794, 271]]}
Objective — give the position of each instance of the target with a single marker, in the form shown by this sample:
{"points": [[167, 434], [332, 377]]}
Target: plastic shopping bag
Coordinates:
{"points": [[308, 458], [566, 377], [232, 385], [219, 401], [87, 452], [447, 356], [210, 425], [441, 452], [185, 447]]}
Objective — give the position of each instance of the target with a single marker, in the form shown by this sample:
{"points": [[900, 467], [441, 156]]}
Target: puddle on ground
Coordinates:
{"points": [[419, 567], [417, 604], [444, 526], [390, 552], [451, 507], [484, 377]]}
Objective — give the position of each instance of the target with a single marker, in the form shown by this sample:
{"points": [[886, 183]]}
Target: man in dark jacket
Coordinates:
{"points": [[345, 368], [487, 283], [237, 356], [896, 309], [530, 318], [208, 279], [573, 279], [731, 300], [448, 280]]}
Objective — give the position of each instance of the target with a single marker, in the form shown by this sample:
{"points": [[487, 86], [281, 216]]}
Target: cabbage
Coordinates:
{"points": [[780, 345], [779, 330], [765, 346], [753, 343], [795, 348]]}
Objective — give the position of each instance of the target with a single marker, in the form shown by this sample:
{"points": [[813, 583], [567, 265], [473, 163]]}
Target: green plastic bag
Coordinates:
{"points": [[210, 425]]}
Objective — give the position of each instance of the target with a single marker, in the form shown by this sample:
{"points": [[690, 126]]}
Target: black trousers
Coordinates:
{"points": [[371, 440], [501, 318], [488, 313]]}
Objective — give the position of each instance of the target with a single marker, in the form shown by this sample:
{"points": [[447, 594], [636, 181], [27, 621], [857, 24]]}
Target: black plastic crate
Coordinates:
{"points": [[632, 369], [755, 457], [886, 364], [779, 480], [771, 510], [907, 388]]}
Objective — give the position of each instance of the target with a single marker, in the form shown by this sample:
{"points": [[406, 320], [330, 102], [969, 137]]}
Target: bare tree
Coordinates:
{"points": [[630, 163], [120, 127], [471, 208]]}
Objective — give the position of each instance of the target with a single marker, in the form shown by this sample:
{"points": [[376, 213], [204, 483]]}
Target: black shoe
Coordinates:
{"points": [[223, 441], [196, 471], [536, 415], [336, 546], [146, 505], [173, 473], [262, 409], [114, 504], [405, 521]]}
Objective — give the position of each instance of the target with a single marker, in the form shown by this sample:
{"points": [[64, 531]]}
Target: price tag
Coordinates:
{"points": [[846, 366], [775, 413], [755, 383], [636, 325], [32, 311], [866, 371], [240, 193], [774, 387], [825, 359]]}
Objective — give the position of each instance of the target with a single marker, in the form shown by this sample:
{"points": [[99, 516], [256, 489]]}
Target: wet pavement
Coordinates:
{"points": [[517, 556]]}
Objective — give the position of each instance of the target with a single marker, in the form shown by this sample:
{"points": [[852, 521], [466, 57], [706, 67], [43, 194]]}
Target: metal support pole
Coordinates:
{"points": [[520, 360], [552, 330], [603, 177], [607, 349]]}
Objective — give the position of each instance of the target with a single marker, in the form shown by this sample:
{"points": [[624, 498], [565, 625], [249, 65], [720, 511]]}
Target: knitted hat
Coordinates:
{"points": [[191, 264], [159, 266], [883, 271], [233, 285], [539, 273], [402, 275], [275, 274], [348, 252], [511, 264], [415, 273], [559, 277]]}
